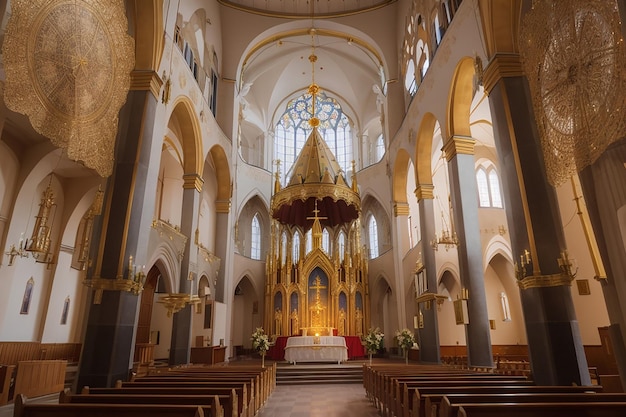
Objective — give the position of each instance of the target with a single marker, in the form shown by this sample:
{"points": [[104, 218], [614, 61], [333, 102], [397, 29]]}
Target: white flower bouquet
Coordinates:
{"points": [[260, 341], [405, 338], [373, 340]]}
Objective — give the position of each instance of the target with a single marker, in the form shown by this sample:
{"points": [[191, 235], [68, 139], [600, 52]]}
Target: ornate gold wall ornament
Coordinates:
{"points": [[538, 281], [574, 58], [68, 66]]}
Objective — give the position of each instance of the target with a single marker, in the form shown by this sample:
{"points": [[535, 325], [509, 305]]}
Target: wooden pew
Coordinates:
{"points": [[24, 409], [36, 378], [244, 404], [421, 395], [251, 383], [6, 374], [450, 403], [594, 409], [398, 395], [403, 403], [228, 402]]}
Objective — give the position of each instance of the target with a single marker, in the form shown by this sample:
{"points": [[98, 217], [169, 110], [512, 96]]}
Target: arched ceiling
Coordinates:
{"points": [[305, 8], [278, 69]]}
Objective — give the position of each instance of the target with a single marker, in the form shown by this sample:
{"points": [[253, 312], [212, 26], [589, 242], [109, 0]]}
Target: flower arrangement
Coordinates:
{"points": [[373, 340], [405, 338], [260, 341]]}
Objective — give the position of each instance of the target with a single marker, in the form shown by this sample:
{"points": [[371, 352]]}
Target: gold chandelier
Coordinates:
{"points": [[39, 243], [574, 57]]}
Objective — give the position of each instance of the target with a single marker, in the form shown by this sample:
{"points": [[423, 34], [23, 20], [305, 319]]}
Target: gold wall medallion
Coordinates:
{"points": [[68, 66]]}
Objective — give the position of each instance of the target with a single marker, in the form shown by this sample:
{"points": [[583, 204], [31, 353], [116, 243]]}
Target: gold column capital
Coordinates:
{"points": [[501, 65], [401, 209], [463, 145], [193, 181], [142, 80], [222, 206], [425, 192]]}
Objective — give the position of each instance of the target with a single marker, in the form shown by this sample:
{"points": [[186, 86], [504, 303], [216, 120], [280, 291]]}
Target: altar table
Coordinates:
{"points": [[304, 349]]}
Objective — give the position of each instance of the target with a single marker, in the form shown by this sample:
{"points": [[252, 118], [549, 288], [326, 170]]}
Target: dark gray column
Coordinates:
{"points": [[222, 232], [604, 187], [180, 347], [429, 334], [459, 152], [128, 208], [554, 342]]}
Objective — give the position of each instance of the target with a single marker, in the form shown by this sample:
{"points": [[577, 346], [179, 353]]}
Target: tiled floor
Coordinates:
{"points": [[330, 400]]}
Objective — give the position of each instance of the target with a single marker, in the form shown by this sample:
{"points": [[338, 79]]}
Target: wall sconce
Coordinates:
{"points": [[566, 264], [524, 268], [39, 243], [16, 251], [133, 282]]}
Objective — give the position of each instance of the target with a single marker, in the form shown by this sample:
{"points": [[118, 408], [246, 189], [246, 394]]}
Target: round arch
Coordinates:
{"points": [[191, 138], [460, 99], [146, 22], [400, 172], [423, 149], [222, 173]]}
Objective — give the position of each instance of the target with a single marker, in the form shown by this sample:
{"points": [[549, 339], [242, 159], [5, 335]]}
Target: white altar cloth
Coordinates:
{"points": [[304, 349]]}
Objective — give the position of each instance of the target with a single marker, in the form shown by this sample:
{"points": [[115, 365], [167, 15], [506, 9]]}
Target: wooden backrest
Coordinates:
{"points": [[449, 404], [595, 409]]}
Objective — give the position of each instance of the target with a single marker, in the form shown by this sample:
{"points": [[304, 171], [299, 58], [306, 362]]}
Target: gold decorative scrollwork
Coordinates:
{"points": [[68, 66]]}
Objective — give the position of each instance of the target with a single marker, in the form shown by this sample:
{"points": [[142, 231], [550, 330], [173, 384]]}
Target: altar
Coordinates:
{"points": [[316, 349]]}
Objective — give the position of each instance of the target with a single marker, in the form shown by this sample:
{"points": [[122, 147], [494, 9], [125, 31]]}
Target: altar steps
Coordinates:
{"points": [[319, 374]]}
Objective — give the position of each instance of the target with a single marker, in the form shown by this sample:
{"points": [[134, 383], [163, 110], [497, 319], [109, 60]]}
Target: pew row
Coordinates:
{"points": [[595, 409], [420, 406], [228, 401], [24, 409], [451, 403]]}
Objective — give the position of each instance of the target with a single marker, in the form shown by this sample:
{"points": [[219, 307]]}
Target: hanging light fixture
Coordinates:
{"points": [[39, 243], [448, 235]]}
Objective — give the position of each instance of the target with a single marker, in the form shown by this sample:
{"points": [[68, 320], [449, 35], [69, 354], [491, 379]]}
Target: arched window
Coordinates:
{"points": [[380, 148], [295, 248], [326, 241], [488, 184], [293, 129], [255, 238], [308, 241], [372, 228], [283, 248], [494, 189], [342, 246]]}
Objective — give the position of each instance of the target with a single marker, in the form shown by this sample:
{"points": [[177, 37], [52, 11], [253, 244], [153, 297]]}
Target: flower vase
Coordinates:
{"points": [[262, 359], [405, 352], [370, 358]]}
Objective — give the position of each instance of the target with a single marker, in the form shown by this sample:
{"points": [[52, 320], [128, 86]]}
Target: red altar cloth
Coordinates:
{"points": [[277, 352], [355, 348]]}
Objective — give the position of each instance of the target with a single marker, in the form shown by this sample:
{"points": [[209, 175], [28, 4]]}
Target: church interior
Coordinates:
{"points": [[176, 174]]}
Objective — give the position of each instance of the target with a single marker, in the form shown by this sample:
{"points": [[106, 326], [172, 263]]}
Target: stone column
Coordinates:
{"points": [[108, 345], [429, 335], [180, 347], [459, 152], [554, 342], [222, 231], [604, 187]]}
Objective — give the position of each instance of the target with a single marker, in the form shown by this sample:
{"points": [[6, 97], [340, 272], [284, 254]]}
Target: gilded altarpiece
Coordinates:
{"points": [[319, 293]]}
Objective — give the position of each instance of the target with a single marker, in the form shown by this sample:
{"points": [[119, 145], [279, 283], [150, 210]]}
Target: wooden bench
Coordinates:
{"points": [[243, 403], [404, 404], [23, 409], [595, 409], [422, 395], [450, 403], [6, 375], [251, 384], [37, 378], [228, 401]]}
